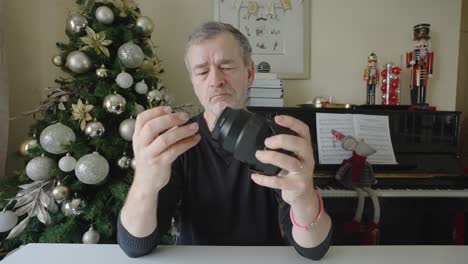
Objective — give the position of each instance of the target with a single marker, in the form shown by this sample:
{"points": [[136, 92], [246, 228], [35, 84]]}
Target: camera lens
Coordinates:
{"points": [[242, 133]]}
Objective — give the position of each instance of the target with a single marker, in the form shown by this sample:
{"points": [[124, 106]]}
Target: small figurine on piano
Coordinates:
{"points": [[420, 60], [356, 173], [371, 76]]}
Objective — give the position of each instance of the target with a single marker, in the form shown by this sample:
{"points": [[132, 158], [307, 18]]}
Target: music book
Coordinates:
{"points": [[374, 129]]}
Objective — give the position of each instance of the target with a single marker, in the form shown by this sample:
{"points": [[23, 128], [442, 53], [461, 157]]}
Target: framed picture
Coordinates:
{"points": [[278, 31]]}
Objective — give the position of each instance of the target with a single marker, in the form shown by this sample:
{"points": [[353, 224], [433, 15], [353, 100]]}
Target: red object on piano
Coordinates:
{"points": [[372, 234], [357, 166]]}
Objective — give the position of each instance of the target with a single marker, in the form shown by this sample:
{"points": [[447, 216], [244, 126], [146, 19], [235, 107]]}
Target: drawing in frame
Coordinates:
{"points": [[278, 30]]}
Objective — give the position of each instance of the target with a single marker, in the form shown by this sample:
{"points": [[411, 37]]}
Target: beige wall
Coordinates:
{"points": [[343, 33], [462, 86]]}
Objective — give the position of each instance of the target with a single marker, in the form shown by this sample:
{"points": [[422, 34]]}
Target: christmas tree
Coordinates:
{"points": [[79, 155]]}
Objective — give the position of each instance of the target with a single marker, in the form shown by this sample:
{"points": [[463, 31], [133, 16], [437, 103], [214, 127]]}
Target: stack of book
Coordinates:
{"points": [[266, 90]]}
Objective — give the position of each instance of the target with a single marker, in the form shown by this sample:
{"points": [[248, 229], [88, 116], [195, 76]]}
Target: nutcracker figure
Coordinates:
{"points": [[420, 60], [371, 76]]}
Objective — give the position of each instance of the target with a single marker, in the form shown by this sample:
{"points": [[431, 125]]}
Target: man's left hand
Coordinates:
{"points": [[295, 180]]}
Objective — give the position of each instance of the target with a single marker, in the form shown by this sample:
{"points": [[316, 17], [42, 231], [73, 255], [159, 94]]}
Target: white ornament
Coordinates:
{"points": [[94, 129], [126, 129], [91, 236], [141, 87], [78, 62], [133, 163], [54, 138], [124, 80], [104, 15], [74, 206], [131, 55], [67, 163], [92, 168], [40, 168], [8, 220], [138, 108]]}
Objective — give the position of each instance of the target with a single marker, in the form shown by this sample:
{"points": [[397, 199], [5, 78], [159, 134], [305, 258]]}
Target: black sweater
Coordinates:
{"points": [[217, 203]]}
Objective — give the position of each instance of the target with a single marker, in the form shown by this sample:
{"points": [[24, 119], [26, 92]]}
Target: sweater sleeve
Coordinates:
{"points": [[133, 246], [168, 199], [314, 253]]}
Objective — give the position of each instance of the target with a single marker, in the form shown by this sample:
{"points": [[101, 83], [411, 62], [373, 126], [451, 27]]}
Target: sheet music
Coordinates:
{"points": [[374, 129]]}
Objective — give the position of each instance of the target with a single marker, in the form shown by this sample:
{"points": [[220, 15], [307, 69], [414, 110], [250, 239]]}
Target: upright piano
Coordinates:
{"points": [[423, 199]]}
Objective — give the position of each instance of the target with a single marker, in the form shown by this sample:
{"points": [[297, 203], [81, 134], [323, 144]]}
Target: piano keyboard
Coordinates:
{"points": [[397, 193]]}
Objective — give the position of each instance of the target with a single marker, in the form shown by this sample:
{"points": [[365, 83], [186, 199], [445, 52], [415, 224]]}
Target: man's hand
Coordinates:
{"points": [[296, 177], [160, 137]]}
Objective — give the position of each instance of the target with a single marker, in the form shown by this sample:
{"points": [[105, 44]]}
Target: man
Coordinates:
{"points": [[181, 168]]}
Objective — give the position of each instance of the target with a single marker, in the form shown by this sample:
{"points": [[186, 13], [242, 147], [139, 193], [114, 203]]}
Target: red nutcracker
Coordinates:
{"points": [[390, 85], [420, 60], [371, 76]]}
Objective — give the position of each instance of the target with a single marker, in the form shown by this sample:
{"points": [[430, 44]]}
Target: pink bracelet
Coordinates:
{"points": [[317, 218]]}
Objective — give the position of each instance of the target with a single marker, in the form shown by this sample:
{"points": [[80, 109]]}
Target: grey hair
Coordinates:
{"points": [[211, 29]]}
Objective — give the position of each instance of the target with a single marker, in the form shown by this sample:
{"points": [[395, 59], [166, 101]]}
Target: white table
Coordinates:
{"points": [[90, 254]]}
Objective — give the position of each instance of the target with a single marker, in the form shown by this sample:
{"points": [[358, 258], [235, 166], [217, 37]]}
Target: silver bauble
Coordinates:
{"points": [[55, 137], [124, 162], [91, 236], [102, 72], [141, 87], [76, 23], [138, 109], [126, 129], [124, 80], [40, 168], [104, 15], [114, 103], [73, 206], [131, 55], [78, 62], [154, 98], [133, 163], [27, 146], [145, 25], [60, 192], [8, 220], [92, 168], [58, 60], [67, 163], [94, 129]]}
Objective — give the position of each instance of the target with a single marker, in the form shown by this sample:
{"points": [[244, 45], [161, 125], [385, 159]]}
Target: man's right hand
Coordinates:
{"points": [[160, 137]]}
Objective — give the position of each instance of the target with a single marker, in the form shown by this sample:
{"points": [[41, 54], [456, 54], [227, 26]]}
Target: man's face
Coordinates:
{"points": [[218, 73]]}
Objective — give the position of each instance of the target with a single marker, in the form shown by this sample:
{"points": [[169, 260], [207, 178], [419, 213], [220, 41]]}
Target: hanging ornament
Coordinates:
{"points": [[78, 62], [73, 206], [28, 146], [76, 23], [131, 55], [104, 15], [8, 220], [138, 109], [102, 72], [133, 163], [55, 137], [67, 163], [124, 162], [92, 168], [126, 129], [91, 236], [94, 129], [81, 112], [60, 192], [154, 98], [114, 103], [40, 168], [141, 87], [58, 60], [124, 80], [145, 25]]}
